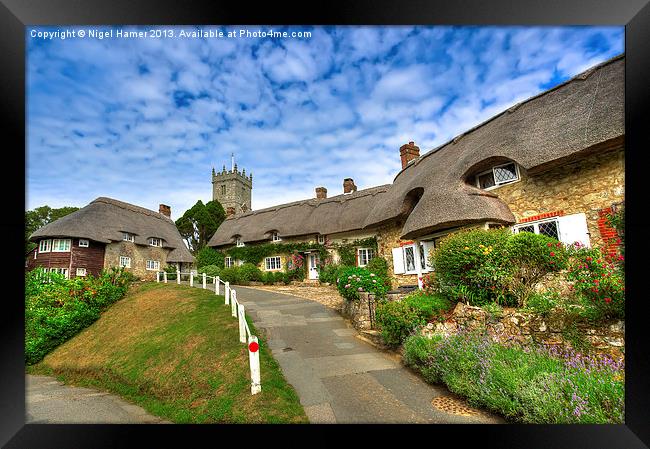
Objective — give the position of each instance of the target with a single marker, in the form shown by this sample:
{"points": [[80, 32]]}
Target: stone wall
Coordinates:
{"points": [[139, 255], [585, 186], [526, 328], [362, 312], [387, 239]]}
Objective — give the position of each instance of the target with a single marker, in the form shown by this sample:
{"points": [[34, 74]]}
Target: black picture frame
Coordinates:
{"points": [[15, 15]]}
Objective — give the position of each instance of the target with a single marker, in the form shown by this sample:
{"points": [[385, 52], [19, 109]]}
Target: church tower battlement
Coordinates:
{"points": [[233, 189]]}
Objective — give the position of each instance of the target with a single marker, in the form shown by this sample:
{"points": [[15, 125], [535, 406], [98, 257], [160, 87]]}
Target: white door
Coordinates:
{"points": [[313, 273]]}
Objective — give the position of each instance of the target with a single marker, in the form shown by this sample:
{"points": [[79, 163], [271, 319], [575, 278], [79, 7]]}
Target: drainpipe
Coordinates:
{"points": [[418, 263]]}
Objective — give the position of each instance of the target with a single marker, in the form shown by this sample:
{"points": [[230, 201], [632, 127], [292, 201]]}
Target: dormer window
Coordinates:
{"points": [[127, 237], [275, 237], [239, 242], [155, 242], [497, 176], [321, 239]]}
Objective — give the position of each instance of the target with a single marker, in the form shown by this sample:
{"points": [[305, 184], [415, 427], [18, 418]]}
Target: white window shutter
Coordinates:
{"points": [[398, 261], [573, 228]]}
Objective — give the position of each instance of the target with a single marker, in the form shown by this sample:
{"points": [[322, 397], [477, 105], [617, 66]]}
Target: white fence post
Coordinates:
{"points": [[203, 281], [178, 277], [226, 290], [191, 279], [165, 276], [216, 285], [254, 361], [157, 276], [242, 323], [233, 302]]}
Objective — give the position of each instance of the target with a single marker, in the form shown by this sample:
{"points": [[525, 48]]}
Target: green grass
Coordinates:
{"points": [[175, 351]]}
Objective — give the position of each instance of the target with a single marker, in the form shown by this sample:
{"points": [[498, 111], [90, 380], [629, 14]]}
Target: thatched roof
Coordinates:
{"points": [[105, 220], [567, 122], [539, 133], [340, 213]]}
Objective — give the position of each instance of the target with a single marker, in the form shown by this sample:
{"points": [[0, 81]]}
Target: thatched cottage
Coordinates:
{"points": [[552, 164], [110, 233]]}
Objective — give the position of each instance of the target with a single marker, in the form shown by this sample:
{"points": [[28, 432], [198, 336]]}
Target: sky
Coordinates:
{"points": [[144, 119]]}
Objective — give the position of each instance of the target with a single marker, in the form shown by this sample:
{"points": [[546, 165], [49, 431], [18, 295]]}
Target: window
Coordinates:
{"points": [[83, 244], [321, 239], [497, 176], [272, 263], [567, 229], [63, 271], [125, 262], [404, 258], [548, 228], [240, 242], [128, 237], [228, 261], [364, 255], [155, 242], [81, 271], [60, 245], [153, 265], [223, 189], [45, 246], [276, 237]]}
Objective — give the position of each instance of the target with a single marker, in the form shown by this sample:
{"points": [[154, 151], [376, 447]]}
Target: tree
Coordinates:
{"points": [[39, 217], [199, 223], [208, 256]]}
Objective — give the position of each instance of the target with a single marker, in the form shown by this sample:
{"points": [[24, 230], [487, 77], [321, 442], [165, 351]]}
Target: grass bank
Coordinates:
{"points": [[175, 351]]}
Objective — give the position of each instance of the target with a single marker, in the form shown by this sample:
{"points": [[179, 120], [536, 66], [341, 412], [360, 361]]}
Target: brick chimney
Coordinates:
{"points": [[165, 210], [230, 211], [408, 152], [321, 193], [348, 185]]}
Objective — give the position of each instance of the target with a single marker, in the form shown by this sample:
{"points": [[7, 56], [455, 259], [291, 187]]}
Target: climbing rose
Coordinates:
{"points": [[552, 254], [608, 300], [549, 244]]}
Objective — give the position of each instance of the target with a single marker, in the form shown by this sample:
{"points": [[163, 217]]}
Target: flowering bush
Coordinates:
{"points": [[57, 310], [598, 279], [353, 280], [531, 385], [329, 273]]}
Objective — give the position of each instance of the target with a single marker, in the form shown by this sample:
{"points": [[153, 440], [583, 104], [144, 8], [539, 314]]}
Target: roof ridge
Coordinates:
{"points": [[131, 207]]}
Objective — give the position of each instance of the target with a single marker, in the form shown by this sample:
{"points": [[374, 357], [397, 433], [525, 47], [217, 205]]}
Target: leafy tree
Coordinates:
{"points": [[199, 223], [208, 256], [39, 217]]}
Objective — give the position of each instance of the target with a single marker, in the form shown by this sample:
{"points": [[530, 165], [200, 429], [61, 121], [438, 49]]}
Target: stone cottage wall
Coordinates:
{"points": [[139, 255]]}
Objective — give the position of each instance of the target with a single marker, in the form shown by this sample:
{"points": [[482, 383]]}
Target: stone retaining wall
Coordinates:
{"points": [[362, 312]]}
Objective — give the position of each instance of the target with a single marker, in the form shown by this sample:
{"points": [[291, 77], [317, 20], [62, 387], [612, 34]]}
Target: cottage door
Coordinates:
{"points": [[313, 273]]}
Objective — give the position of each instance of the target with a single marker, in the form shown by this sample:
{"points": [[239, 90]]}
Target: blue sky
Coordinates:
{"points": [[144, 120]]}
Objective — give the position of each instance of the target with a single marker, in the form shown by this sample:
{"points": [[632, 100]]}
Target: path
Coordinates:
{"points": [[338, 377], [49, 401]]}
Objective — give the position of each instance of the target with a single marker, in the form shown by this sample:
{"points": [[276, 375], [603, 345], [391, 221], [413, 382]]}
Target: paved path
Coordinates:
{"points": [[49, 401], [339, 378]]}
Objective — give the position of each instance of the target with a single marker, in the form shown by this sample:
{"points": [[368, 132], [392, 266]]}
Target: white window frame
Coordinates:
{"points": [[48, 246], [153, 265], [535, 224], [272, 263], [158, 242], [82, 273], [128, 237], [63, 271], [498, 184], [368, 258], [55, 244], [321, 239], [84, 243], [228, 262], [275, 237], [125, 261], [239, 242]]}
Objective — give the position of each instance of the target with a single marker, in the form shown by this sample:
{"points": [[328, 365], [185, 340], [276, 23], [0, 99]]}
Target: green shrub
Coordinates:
{"points": [[531, 385], [542, 303], [328, 273], [249, 272], [231, 275], [57, 310], [397, 319], [353, 280], [209, 270], [379, 266], [209, 256]]}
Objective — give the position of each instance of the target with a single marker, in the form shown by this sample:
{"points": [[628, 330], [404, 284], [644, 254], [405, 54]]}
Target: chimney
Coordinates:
{"points": [[230, 211], [348, 185], [408, 152], [321, 193], [165, 210]]}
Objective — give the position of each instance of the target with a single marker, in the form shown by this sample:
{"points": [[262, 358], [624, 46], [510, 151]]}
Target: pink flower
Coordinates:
{"points": [[360, 289], [552, 254], [347, 286]]}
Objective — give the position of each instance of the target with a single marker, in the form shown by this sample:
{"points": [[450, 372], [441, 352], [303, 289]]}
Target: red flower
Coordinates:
{"points": [[552, 254], [549, 244], [558, 244], [608, 300]]}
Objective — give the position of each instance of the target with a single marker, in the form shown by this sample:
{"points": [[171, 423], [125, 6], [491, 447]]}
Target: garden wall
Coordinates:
{"points": [[362, 312], [525, 328]]}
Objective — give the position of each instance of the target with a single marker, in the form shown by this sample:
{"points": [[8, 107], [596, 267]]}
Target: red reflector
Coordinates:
{"points": [[253, 347]]}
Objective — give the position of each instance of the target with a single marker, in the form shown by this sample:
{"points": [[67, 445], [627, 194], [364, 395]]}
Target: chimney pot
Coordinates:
{"points": [[408, 152], [321, 192], [348, 185], [165, 210]]}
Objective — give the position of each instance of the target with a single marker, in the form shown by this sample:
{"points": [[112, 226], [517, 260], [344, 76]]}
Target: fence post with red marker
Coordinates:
{"points": [[254, 361]]}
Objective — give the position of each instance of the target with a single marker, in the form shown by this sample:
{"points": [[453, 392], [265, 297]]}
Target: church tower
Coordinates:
{"points": [[232, 189]]}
